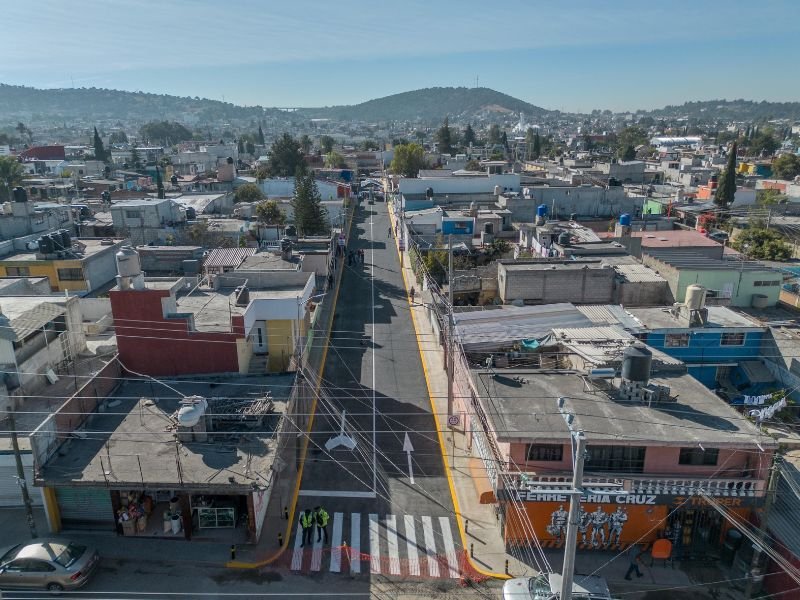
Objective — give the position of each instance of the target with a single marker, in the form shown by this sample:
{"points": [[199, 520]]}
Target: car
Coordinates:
{"points": [[49, 564], [547, 586]]}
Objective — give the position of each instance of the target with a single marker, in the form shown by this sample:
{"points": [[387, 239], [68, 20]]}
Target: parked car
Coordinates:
{"points": [[53, 565], [547, 586]]}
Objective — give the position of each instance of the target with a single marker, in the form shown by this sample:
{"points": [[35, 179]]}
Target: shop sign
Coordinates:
{"points": [[634, 499]]}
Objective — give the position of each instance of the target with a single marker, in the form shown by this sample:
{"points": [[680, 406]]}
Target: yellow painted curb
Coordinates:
{"points": [[439, 431], [235, 564]]}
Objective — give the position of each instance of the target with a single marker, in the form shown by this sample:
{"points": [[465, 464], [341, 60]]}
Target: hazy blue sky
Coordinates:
{"points": [[617, 54]]}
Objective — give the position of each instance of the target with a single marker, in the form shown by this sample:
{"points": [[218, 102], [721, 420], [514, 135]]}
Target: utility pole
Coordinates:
{"points": [[21, 476], [755, 567], [450, 327], [578, 440]]}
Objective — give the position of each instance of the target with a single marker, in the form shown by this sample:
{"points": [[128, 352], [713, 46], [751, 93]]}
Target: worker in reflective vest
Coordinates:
{"points": [[307, 524], [321, 517]]}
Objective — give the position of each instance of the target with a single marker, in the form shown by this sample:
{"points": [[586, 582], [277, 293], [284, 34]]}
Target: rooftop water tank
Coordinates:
{"points": [[192, 409], [541, 210], [242, 295], [564, 238], [128, 264], [636, 362], [625, 219], [695, 297], [20, 195], [46, 245], [66, 239]]}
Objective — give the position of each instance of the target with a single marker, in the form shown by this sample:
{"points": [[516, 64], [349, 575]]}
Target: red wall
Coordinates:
{"points": [[152, 345]]}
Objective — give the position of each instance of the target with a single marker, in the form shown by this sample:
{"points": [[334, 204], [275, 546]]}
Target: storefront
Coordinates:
{"points": [[614, 521]]}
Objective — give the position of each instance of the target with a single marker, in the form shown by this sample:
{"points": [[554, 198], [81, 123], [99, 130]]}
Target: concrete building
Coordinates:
{"points": [[22, 217], [440, 187], [676, 240], [563, 201], [148, 219], [637, 285], [624, 171], [550, 282]]}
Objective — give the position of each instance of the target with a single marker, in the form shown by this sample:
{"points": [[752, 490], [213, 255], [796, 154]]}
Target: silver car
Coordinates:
{"points": [[548, 587], [53, 565]]}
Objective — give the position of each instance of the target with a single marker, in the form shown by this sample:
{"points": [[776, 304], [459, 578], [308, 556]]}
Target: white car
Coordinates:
{"points": [[548, 587]]}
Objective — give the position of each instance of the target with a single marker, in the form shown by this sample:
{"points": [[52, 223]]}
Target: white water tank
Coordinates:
{"points": [[128, 264], [695, 297], [193, 408]]}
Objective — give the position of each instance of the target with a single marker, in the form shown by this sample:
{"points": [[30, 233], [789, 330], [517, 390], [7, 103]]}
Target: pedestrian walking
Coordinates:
{"points": [[321, 518], [307, 524], [350, 258], [411, 293], [389, 232], [330, 280], [634, 557], [361, 255]]}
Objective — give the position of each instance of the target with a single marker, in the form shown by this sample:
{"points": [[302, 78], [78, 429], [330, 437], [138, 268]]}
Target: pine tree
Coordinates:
{"points": [[136, 161], [159, 184], [726, 186], [469, 135], [261, 136], [240, 146], [530, 135], [99, 148], [537, 147], [310, 217], [504, 140], [444, 137]]}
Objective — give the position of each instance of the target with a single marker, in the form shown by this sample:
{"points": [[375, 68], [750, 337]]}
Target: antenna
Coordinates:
{"points": [[477, 79]]}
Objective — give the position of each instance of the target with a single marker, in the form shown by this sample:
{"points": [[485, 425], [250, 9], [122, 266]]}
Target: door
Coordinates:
{"points": [[260, 338], [87, 507]]}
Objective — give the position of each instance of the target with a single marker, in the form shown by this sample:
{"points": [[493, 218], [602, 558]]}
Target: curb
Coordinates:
{"points": [[439, 431]]}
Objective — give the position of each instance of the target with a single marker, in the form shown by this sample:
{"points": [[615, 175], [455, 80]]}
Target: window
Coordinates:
{"points": [[133, 214], [17, 271], [732, 339], [766, 283], [545, 452], [698, 456], [624, 459], [676, 340], [70, 274]]}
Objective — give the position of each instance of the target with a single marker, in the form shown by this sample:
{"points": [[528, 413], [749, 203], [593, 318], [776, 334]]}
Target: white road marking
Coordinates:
{"points": [[336, 543], [394, 549], [374, 545], [337, 494], [297, 556], [355, 542], [430, 547], [316, 553], [411, 538], [449, 547]]}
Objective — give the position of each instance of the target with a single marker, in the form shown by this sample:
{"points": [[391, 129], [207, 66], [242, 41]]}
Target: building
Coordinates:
{"points": [[21, 218], [148, 219], [565, 200], [637, 285], [80, 265], [550, 282], [732, 282], [206, 470], [677, 240]]}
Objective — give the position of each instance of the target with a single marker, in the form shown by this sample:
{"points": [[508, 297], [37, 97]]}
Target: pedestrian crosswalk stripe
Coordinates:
{"points": [[316, 553], [374, 545], [411, 538], [336, 543], [394, 550], [449, 547], [297, 557], [430, 547], [355, 542]]}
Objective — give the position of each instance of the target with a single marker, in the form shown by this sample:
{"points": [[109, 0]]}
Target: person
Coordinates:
{"points": [[350, 258], [307, 524], [330, 280], [634, 557], [411, 293], [321, 518], [389, 232]]}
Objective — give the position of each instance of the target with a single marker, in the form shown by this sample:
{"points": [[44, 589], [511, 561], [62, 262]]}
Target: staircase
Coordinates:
{"points": [[258, 364]]}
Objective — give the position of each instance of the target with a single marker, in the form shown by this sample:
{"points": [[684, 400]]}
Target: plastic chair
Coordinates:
{"points": [[662, 550]]}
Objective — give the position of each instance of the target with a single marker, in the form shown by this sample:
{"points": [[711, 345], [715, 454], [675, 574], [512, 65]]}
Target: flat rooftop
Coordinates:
{"points": [[669, 239], [718, 316], [691, 260], [92, 246], [521, 405], [133, 442], [268, 261], [567, 265]]}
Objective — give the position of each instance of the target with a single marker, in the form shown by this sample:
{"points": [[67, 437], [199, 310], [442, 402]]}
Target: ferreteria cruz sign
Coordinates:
{"points": [[515, 495]]}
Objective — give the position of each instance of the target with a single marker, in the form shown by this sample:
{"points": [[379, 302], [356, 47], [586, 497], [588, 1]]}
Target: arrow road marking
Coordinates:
{"points": [[408, 449]]}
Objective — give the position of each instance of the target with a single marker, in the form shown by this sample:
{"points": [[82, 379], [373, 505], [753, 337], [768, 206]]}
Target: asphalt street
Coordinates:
{"points": [[373, 361]]}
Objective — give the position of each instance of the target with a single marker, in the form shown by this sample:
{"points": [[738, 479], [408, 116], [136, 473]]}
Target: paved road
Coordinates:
{"points": [[373, 360]]}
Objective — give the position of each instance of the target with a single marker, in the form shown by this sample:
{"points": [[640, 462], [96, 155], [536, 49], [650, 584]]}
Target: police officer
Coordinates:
{"points": [[307, 524], [321, 518]]}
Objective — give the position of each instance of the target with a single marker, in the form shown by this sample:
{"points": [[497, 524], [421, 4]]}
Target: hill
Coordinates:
{"points": [[730, 110], [430, 104]]}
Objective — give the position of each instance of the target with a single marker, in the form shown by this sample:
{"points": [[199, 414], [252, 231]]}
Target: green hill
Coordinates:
{"points": [[730, 110], [430, 104]]}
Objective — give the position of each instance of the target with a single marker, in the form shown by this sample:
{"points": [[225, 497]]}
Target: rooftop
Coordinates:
{"points": [[638, 274], [28, 314], [662, 318], [669, 239], [540, 265], [521, 404], [134, 441], [685, 259], [268, 261], [91, 246]]}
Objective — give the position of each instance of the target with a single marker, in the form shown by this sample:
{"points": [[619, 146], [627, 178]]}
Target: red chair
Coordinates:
{"points": [[662, 550]]}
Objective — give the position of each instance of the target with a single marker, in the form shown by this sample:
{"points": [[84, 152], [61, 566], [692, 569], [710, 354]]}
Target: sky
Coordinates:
{"points": [[573, 56]]}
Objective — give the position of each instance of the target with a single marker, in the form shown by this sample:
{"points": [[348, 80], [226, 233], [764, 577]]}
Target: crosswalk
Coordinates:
{"points": [[407, 545]]}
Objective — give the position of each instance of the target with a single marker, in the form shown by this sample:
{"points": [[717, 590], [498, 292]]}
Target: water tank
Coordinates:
{"points": [[429, 192], [564, 238], [174, 180], [759, 301], [46, 245], [695, 297], [20, 195], [191, 213], [498, 190], [625, 220], [66, 239], [636, 361], [242, 295], [541, 210], [128, 264], [573, 216], [192, 409]]}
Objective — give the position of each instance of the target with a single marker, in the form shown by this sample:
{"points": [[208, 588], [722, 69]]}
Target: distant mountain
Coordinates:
{"points": [[730, 110], [431, 104], [26, 103]]}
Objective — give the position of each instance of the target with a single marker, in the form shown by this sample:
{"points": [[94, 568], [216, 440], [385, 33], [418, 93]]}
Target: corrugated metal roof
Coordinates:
{"points": [[593, 334], [610, 314], [227, 257], [638, 274], [35, 318], [783, 522]]}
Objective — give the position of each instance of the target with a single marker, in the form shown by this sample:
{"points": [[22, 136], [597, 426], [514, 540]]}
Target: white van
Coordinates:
{"points": [[548, 587]]}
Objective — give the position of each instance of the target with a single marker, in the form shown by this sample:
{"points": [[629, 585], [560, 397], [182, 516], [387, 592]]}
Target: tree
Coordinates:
{"points": [[249, 192], [504, 140], [370, 146], [630, 136], [472, 165], [761, 243], [786, 166], [334, 160], [11, 173], [118, 137], [726, 186], [537, 147], [165, 133], [285, 157], [99, 148], [24, 130], [159, 184], [306, 144], [469, 135], [240, 146], [629, 153], [770, 197], [326, 142], [408, 160], [136, 160], [494, 134], [250, 148], [262, 172], [443, 137], [269, 213], [763, 143], [310, 217], [261, 141]]}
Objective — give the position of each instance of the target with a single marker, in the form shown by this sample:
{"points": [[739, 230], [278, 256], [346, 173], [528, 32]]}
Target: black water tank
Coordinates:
{"points": [[46, 244], [66, 239], [564, 238], [191, 213], [636, 361], [20, 195]]}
